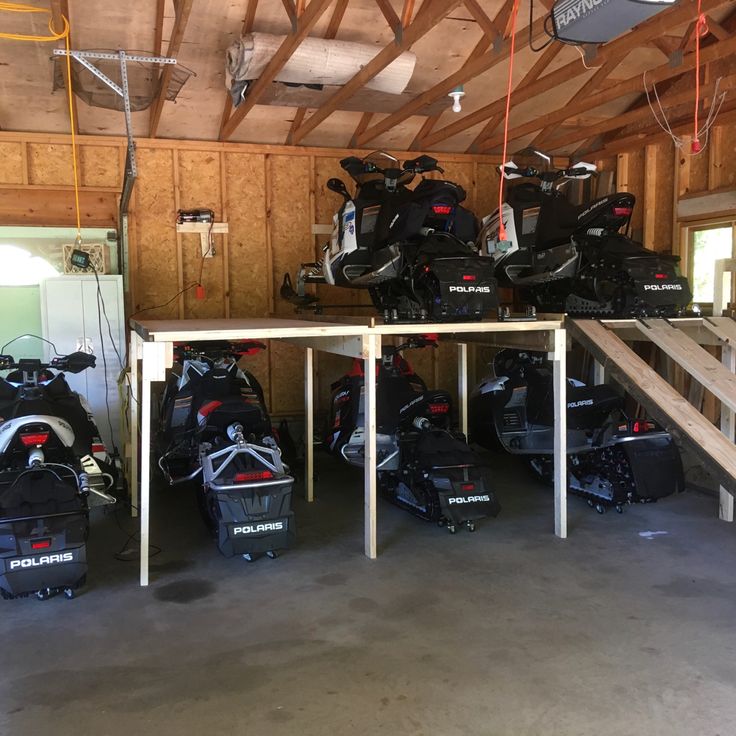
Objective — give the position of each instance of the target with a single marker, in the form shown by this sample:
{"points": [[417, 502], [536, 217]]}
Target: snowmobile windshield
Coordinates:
{"points": [[532, 158], [376, 167]]}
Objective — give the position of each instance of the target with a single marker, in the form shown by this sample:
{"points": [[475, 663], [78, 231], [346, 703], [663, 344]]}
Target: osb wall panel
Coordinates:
{"points": [[50, 164], [100, 166], [486, 195], [290, 220], [246, 216], [727, 157], [198, 186], [11, 163], [154, 274]]}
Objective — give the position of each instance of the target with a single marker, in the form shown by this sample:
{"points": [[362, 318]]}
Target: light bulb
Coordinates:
{"points": [[456, 95]]}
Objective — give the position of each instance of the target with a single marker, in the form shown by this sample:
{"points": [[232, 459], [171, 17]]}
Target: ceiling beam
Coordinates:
{"points": [[461, 76], [655, 134], [312, 14], [631, 85], [468, 121], [332, 29], [488, 129], [183, 8], [589, 87], [642, 34], [427, 18], [634, 116], [407, 13], [290, 8], [490, 28], [60, 8], [158, 31], [365, 120], [391, 17]]}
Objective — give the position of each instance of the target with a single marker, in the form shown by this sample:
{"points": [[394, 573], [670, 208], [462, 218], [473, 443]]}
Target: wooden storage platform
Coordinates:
{"points": [[152, 341]]}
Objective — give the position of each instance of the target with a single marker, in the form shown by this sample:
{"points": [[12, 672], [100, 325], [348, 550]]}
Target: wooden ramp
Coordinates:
{"points": [[714, 448]]}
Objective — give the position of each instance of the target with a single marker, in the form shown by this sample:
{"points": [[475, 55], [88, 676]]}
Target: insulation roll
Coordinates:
{"points": [[316, 61]]}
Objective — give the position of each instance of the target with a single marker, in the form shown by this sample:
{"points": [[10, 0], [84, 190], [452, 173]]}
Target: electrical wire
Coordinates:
{"points": [[501, 227], [537, 49]]}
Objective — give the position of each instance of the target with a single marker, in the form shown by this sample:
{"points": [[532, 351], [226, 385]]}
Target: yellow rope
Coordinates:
{"points": [[22, 8]]}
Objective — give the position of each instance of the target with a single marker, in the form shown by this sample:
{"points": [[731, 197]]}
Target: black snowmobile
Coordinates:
{"points": [[612, 460], [53, 468], [414, 250], [423, 465], [215, 425], [574, 259]]}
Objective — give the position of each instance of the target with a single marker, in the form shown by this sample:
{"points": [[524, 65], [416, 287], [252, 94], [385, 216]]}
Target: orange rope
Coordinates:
{"points": [[701, 29], [501, 227]]}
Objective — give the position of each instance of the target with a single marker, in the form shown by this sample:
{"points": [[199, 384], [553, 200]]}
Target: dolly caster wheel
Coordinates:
{"points": [[470, 526], [44, 595], [441, 522], [590, 503], [248, 557], [451, 528], [69, 593], [272, 553], [619, 509], [600, 508]]}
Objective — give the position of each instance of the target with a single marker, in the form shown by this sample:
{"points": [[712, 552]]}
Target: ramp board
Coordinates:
{"points": [[661, 400]]}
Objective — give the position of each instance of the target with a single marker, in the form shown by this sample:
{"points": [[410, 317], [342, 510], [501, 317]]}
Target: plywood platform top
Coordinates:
{"points": [[177, 330]]}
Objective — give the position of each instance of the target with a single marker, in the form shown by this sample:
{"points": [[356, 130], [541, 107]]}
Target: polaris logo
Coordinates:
{"points": [[662, 287], [582, 402], [468, 499], [472, 289], [26, 562], [268, 526]]}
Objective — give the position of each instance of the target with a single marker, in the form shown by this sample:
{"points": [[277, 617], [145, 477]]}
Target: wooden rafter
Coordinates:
{"points": [[490, 28], [407, 13], [633, 116], [158, 31], [312, 14], [642, 34], [600, 76], [332, 28], [290, 8], [60, 8], [183, 8], [391, 17], [461, 76], [488, 129], [428, 17], [541, 65], [632, 84], [365, 120]]}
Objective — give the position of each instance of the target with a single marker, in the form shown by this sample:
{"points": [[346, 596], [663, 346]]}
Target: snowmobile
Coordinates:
{"points": [[53, 468], [413, 250], [423, 465], [215, 425], [574, 259], [613, 460]]}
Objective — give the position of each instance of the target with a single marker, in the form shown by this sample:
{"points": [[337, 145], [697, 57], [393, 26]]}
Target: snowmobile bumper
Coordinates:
{"points": [[463, 501], [467, 289], [42, 554], [250, 495]]}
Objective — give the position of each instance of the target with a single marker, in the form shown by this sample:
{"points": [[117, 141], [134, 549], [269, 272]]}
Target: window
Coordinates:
{"points": [[21, 268], [707, 243]]}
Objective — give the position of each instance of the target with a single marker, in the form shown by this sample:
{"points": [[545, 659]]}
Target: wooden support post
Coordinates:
{"points": [[462, 385], [157, 356], [559, 379], [134, 354], [650, 196], [722, 293], [599, 373], [726, 501], [309, 424], [373, 350]]}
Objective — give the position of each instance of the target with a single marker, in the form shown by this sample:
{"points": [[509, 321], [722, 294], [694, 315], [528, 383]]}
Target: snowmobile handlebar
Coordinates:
{"points": [[583, 171], [73, 363], [418, 341], [217, 349]]}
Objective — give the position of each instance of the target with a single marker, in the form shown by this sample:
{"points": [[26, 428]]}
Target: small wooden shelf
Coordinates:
{"points": [[204, 229]]}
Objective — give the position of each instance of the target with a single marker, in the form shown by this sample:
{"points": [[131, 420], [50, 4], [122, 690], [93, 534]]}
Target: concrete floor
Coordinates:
{"points": [[505, 632]]}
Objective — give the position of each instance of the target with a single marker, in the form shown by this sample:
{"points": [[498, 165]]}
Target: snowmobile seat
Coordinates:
{"points": [[587, 406], [611, 211]]}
